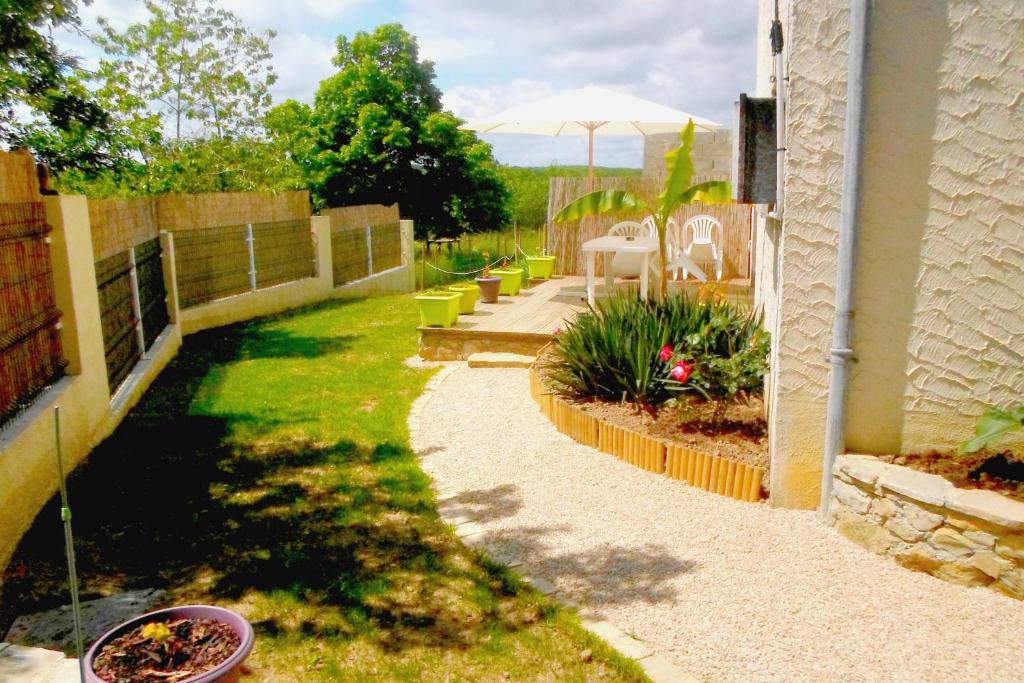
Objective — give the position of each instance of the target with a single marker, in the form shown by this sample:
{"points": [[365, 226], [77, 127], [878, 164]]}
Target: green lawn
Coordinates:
{"points": [[268, 470]]}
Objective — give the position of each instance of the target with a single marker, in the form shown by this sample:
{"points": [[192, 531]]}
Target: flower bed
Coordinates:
{"points": [[707, 471], [966, 536], [672, 386]]}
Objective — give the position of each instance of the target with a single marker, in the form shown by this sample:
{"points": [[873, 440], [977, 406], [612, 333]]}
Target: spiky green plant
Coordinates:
{"points": [[615, 351], [676, 192]]}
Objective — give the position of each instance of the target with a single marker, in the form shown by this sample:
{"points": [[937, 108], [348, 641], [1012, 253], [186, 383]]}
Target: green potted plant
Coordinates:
{"points": [[540, 266], [511, 278], [490, 285], [470, 292], [438, 307]]}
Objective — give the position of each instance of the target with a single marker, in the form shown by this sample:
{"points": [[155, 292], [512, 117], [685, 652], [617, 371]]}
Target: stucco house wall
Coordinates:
{"points": [[939, 321]]}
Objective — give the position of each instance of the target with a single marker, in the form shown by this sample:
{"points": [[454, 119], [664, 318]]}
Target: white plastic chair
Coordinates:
{"points": [[705, 242], [673, 242], [628, 265]]}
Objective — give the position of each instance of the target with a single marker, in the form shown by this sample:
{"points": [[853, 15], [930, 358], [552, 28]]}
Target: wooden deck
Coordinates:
{"points": [[515, 324], [526, 322]]}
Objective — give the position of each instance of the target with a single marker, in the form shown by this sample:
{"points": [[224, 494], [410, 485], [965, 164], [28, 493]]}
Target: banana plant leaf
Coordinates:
{"points": [[601, 201], [679, 164]]}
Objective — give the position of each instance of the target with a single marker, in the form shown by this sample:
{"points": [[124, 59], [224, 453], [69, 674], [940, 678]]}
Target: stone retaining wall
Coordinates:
{"points": [[968, 537]]}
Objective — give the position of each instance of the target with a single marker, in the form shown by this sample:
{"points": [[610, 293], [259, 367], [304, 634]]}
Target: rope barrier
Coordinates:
{"points": [[469, 272]]}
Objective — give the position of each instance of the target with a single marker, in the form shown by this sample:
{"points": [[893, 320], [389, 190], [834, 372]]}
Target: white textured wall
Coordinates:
{"points": [[939, 323]]}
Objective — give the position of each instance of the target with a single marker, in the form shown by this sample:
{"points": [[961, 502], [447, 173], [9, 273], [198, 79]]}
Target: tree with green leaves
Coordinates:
{"points": [[676, 192], [377, 133], [43, 104], [189, 87]]}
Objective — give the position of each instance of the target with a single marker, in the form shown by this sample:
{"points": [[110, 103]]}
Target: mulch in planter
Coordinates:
{"points": [[993, 471], [187, 648], [741, 434]]}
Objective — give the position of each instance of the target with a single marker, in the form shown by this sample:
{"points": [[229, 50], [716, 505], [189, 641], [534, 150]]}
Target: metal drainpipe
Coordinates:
{"points": [[841, 353], [780, 117]]}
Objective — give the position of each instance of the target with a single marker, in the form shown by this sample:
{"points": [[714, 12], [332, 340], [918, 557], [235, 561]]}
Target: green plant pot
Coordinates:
{"points": [[541, 267], [511, 280], [439, 309], [470, 292]]}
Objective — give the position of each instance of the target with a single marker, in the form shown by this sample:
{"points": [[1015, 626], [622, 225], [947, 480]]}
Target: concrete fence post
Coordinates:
{"points": [[405, 230], [170, 275], [74, 286]]}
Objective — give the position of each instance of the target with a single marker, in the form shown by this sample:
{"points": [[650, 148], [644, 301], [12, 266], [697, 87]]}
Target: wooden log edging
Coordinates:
{"points": [[713, 473]]}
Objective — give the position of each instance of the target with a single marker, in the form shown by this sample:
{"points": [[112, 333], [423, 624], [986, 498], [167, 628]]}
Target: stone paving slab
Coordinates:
{"points": [[54, 629], [31, 664], [488, 359]]}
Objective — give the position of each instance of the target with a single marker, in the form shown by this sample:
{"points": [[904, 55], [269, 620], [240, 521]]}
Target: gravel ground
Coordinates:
{"points": [[729, 591]]}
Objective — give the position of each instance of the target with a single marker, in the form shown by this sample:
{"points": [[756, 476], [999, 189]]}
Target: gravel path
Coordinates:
{"points": [[729, 591]]}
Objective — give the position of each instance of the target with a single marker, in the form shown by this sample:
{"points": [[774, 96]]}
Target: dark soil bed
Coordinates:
{"points": [[166, 651], [741, 434], [1001, 472]]}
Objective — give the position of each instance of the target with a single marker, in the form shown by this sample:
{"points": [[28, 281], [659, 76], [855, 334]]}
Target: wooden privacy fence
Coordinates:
{"points": [[133, 306], [216, 262], [30, 350], [565, 239]]}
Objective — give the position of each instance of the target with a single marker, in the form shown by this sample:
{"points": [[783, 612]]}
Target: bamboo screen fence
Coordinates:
{"points": [[565, 239], [283, 252], [211, 264], [364, 240], [30, 350], [131, 316]]}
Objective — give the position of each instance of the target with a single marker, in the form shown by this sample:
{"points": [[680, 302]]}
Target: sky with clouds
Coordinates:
{"points": [[695, 55]]}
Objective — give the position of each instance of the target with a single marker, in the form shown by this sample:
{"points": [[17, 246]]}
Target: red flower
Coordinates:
{"points": [[665, 353], [558, 331], [681, 371]]}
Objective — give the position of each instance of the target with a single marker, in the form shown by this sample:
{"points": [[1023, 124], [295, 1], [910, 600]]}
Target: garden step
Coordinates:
{"points": [[29, 664], [66, 671], [500, 360]]}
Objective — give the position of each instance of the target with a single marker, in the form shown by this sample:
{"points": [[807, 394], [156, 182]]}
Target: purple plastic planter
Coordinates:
{"points": [[225, 672]]}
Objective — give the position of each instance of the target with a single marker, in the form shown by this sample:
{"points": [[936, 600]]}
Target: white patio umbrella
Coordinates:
{"points": [[586, 111]]}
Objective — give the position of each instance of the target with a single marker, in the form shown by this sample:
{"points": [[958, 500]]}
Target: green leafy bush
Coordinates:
{"points": [[992, 425], [626, 349]]}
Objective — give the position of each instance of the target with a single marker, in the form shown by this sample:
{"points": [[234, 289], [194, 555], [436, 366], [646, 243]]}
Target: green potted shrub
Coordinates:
{"points": [[490, 285], [511, 278], [438, 307], [540, 266], [470, 293]]}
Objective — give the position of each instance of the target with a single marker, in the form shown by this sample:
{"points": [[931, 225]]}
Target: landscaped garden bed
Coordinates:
{"points": [[671, 386]]}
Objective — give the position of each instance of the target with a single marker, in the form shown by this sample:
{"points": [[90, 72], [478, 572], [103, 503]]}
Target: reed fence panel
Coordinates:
{"points": [[117, 316], [565, 239], [283, 252], [152, 292], [30, 349], [211, 263], [349, 255], [386, 243]]}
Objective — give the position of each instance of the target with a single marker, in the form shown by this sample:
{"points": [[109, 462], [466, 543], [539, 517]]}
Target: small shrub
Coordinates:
{"points": [[650, 352], [992, 425]]}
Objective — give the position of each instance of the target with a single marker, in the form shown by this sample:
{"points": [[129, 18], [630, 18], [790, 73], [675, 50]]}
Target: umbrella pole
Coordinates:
{"points": [[590, 156]]}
